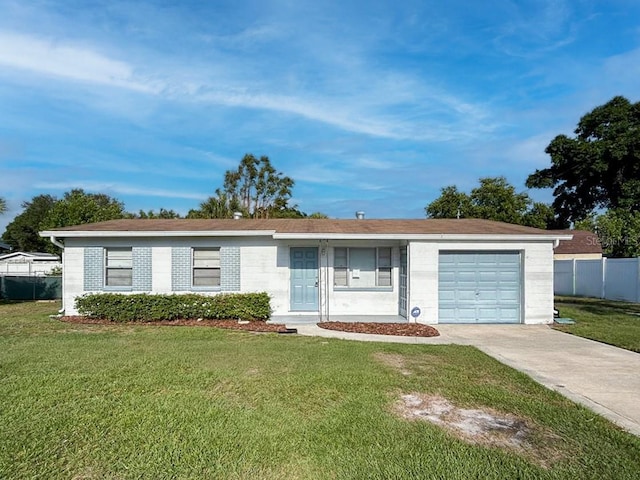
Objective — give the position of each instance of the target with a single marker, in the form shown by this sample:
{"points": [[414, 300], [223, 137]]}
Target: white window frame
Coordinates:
{"points": [[378, 268], [195, 268], [108, 267]]}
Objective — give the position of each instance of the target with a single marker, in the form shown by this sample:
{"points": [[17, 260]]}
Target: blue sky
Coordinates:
{"points": [[367, 105]]}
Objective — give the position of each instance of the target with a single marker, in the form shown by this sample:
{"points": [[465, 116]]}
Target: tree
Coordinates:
{"points": [[451, 204], [600, 167], [542, 215], [494, 199], [216, 207], [77, 207], [161, 214], [3, 206], [318, 215], [22, 232], [257, 187], [618, 231]]}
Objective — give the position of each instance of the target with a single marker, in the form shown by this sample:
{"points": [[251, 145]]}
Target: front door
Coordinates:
{"points": [[304, 279]]}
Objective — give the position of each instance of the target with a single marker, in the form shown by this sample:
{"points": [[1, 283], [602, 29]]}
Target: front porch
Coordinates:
{"points": [[312, 319]]}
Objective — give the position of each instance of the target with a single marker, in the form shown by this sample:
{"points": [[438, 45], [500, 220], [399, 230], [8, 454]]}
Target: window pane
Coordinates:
{"points": [[206, 267], [340, 277], [362, 266], [384, 277], [206, 257], [118, 277], [208, 277], [118, 268], [119, 257], [384, 257], [340, 257]]}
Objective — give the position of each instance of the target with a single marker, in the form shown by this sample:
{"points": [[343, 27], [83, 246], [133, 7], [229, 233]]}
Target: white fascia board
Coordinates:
{"points": [[400, 236], [130, 233]]}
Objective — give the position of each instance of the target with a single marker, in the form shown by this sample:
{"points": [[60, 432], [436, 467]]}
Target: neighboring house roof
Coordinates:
{"points": [[31, 256], [4, 246], [581, 243], [305, 228]]}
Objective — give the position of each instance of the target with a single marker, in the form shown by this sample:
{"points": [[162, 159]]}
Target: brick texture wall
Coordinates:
{"points": [[230, 269], [142, 274], [180, 269], [93, 268]]}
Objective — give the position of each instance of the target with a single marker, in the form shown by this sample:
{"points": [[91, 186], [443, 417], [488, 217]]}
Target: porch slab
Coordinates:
{"points": [[313, 319]]}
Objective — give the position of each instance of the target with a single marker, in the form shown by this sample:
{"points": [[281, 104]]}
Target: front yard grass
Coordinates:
{"points": [[606, 321], [123, 401]]}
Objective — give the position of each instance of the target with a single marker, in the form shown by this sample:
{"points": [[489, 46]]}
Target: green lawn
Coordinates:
{"points": [[153, 402], [607, 321]]}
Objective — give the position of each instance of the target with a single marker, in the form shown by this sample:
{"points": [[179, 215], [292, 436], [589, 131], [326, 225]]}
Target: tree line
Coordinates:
{"points": [[595, 177], [255, 189]]}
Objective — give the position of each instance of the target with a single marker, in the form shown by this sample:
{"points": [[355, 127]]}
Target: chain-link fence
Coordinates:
{"points": [[30, 287]]}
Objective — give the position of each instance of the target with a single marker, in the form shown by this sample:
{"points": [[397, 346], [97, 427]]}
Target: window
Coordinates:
{"points": [[206, 267], [118, 267], [362, 267]]}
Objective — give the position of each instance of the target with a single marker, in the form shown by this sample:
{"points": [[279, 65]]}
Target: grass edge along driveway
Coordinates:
{"points": [[122, 401]]}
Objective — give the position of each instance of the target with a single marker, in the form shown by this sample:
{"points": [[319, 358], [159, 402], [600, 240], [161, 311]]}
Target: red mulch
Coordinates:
{"points": [[253, 326], [399, 329]]}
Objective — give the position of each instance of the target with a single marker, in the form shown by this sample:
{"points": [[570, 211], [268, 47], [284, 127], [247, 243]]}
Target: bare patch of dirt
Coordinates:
{"points": [[251, 326], [398, 329], [482, 426], [393, 360]]}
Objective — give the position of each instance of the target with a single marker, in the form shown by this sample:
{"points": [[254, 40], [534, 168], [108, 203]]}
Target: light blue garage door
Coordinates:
{"points": [[479, 287]]}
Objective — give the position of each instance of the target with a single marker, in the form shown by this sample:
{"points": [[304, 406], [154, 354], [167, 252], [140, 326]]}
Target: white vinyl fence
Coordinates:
{"points": [[610, 278]]}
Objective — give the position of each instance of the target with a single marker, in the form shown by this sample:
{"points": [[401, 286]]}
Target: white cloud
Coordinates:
{"points": [[386, 107], [50, 57], [109, 187]]}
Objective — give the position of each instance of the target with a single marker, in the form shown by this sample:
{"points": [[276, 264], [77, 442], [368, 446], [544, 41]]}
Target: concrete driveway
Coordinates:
{"points": [[605, 379]]}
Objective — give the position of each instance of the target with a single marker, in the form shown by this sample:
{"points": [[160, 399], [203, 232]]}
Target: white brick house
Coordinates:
{"points": [[454, 271]]}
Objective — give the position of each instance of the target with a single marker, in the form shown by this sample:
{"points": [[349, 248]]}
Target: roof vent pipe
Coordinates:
{"points": [[360, 215], [237, 215]]}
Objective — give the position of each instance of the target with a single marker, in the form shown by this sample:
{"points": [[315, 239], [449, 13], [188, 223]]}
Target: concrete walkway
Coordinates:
{"points": [[605, 379]]}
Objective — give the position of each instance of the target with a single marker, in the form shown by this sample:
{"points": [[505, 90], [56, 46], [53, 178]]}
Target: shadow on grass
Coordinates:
{"points": [[599, 306]]}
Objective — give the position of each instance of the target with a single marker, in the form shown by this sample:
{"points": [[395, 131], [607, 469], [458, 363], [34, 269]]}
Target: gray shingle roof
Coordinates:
{"points": [[311, 226]]}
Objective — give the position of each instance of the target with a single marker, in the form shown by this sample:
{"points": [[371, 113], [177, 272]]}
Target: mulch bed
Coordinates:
{"points": [[253, 326], [399, 329]]}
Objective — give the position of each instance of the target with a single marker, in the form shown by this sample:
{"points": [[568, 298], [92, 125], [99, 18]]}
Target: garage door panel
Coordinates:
{"points": [[467, 315], [488, 296], [487, 276], [509, 296], [447, 277], [448, 296], [465, 296], [468, 277], [479, 287]]}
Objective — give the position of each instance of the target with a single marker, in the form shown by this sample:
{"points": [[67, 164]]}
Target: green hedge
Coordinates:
{"points": [[142, 307]]}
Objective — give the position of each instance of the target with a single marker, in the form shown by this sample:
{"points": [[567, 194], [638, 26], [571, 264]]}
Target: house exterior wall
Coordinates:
{"points": [[537, 277], [253, 264]]}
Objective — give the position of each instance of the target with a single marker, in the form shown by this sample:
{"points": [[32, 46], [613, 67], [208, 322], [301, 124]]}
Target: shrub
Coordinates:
{"points": [[142, 307]]}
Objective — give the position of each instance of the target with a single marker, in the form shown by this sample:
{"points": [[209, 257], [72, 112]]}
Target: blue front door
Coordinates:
{"points": [[304, 279]]}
